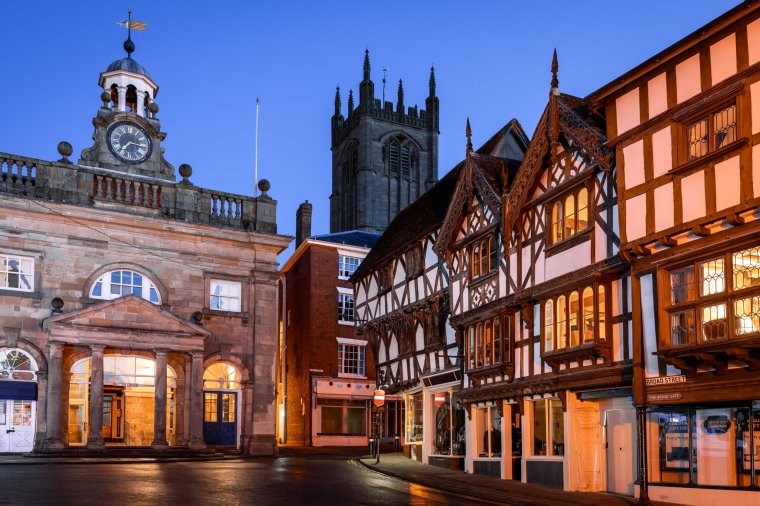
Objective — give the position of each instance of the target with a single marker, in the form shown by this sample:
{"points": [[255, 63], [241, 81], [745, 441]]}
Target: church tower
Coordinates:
{"points": [[128, 134], [383, 158]]}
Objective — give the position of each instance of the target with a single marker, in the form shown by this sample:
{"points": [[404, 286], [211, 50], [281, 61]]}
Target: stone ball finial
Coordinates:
{"points": [[185, 170], [65, 150], [153, 107], [129, 47], [264, 185], [105, 97], [57, 304]]}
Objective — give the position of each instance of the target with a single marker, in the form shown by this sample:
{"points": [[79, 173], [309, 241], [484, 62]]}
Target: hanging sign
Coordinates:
{"points": [[716, 424], [379, 398]]}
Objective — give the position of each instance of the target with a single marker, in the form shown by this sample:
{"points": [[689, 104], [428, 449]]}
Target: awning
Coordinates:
{"points": [[18, 390]]}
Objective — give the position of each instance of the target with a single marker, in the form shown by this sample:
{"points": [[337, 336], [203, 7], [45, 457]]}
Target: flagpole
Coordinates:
{"points": [[256, 152]]}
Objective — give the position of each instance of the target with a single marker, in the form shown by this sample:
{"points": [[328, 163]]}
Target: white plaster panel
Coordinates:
{"points": [[518, 363], [615, 227], [569, 260], [513, 266], [635, 222], [539, 270], [753, 39], [633, 155], [723, 59], [502, 284], [657, 93], [754, 90], [537, 357], [649, 329], [663, 205], [628, 111], [525, 252], [728, 189], [662, 152], [600, 239], [756, 169], [693, 187], [536, 319], [688, 81]]}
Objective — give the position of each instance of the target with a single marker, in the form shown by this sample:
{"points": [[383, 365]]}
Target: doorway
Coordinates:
{"points": [[113, 415], [220, 418], [16, 425], [620, 450]]}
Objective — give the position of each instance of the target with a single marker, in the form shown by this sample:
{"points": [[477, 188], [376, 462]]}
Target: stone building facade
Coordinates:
{"points": [[135, 310], [383, 158]]}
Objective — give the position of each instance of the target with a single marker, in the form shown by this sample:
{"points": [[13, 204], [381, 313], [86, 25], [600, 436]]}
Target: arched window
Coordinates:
{"points": [[569, 215], [549, 325], [497, 339], [17, 365], [118, 283], [575, 309], [115, 95], [569, 228], [601, 302], [557, 222], [221, 375], [401, 157], [588, 324], [131, 98], [561, 322]]}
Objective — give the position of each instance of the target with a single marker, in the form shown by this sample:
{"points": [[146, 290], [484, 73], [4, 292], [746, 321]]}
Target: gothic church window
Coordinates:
{"points": [[401, 157]]}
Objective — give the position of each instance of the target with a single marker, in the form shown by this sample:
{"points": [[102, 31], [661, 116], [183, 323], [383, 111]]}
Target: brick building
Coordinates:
{"points": [[135, 310], [327, 377]]}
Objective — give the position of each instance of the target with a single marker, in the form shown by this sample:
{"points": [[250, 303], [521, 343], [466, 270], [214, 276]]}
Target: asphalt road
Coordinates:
{"points": [[291, 480]]}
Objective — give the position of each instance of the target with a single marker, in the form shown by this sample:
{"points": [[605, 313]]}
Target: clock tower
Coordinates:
{"points": [[127, 132]]}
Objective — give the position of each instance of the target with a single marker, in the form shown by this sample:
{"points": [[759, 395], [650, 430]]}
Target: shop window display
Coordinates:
{"points": [[705, 446], [449, 426], [489, 432], [414, 410]]}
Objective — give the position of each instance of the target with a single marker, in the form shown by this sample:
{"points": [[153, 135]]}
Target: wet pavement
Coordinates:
{"points": [[333, 476]]}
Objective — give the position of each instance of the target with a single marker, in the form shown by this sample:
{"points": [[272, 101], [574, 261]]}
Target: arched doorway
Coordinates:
{"points": [[221, 404], [128, 401], [18, 400]]}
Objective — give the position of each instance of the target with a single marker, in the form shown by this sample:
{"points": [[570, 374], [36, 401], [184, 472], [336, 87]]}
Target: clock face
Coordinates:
{"points": [[129, 142]]}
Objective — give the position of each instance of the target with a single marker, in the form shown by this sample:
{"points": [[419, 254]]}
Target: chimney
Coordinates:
{"points": [[303, 223]]}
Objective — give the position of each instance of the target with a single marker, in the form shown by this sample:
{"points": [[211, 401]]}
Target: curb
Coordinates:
{"points": [[57, 461]]}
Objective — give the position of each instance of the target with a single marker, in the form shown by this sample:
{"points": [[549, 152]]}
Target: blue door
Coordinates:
{"points": [[219, 418]]}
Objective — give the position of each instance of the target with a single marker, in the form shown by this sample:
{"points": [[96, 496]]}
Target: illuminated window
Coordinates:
{"points": [[487, 342], [711, 132], [569, 215], [574, 319], [483, 257], [548, 428]]}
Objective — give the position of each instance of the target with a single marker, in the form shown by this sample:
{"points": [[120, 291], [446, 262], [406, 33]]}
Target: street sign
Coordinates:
{"points": [[379, 398], [440, 399]]}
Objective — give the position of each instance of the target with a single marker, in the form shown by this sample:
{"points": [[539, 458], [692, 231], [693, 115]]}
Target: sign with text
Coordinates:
{"points": [[669, 396], [665, 380]]}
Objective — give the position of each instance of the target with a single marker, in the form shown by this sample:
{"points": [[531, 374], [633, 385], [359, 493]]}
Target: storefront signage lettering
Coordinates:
{"points": [[665, 380], [121, 384], [669, 396], [716, 424], [747, 444]]}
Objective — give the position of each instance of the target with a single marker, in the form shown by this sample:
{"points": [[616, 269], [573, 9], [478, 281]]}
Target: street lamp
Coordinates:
{"points": [[378, 400]]}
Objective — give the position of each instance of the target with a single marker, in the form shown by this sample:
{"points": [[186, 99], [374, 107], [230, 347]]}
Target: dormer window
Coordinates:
{"points": [[115, 284], [483, 257]]}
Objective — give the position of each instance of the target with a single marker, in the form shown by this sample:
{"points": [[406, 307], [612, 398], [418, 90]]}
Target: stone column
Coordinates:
{"points": [[641, 426], [140, 103], [95, 437], [159, 407], [53, 412], [196, 401], [122, 104]]}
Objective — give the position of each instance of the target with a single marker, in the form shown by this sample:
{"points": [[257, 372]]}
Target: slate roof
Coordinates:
{"points": [[128, 65], [358, 238]]}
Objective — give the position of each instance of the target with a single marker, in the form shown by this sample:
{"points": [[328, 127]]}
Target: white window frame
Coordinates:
{"points": [[360, 347], [346, 267], [343, 294], [6, 272], [104, 280], [548, 419], [234, 308]]}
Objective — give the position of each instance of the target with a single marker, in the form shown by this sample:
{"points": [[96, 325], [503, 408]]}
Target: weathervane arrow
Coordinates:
{"points": [[131, 24]]}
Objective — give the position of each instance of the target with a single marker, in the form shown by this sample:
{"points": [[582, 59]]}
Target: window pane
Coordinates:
{"points": [[495, 431], [696, 135], [97, 289], [549, 325], [582, 209], [497, 338], [716, 446], [682, 327], [475, 260], [414, 417], [210, 407], [561, 322], [602, 330], [558, 427], [539, 428], [492, 260], [479, 345], [332, 420], [746, 267], [471, 346], [747, 315], [588, 322], [557, 222], [481, 441], [485, 255], [442, 413], [682, 285], [569, 216], [724, 125], [487, 358], [712, 277], [714, 322], [356, 419], [574, 312], [668, 452]]}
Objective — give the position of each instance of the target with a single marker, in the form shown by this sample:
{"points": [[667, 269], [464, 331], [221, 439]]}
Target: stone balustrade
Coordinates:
{"points": [[98, 187]]}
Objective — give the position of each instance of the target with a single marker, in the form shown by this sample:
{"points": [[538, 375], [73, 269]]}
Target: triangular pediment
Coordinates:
{"points": [[128, 314], [576, 123]]}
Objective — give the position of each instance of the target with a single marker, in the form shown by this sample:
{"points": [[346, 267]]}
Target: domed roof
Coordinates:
{"points": [[128, 65]]}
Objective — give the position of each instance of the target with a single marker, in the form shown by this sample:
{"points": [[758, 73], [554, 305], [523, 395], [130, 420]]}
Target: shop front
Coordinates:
{"points": [[18, 401], [341, 414]]}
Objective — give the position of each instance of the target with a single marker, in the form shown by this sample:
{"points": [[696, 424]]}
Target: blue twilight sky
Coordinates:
{"points": [[212, 59]]}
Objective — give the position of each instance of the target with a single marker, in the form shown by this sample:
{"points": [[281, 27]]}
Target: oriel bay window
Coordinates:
{"points": [[568, 215], [483, 257], [714, 299], [711, 132], [576, 318], [487, 342]]}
